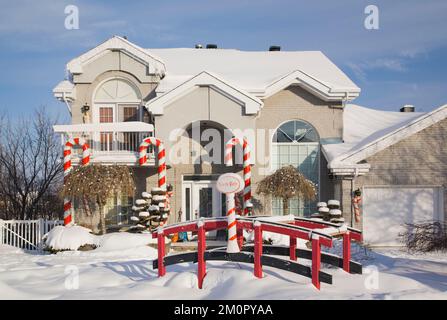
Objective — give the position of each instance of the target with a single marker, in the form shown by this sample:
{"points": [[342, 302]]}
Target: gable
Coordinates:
{"points": [[250, 103], [113, 61], [420, 151], [154, 65], [205, 103], [295, 95], [425, 121]]}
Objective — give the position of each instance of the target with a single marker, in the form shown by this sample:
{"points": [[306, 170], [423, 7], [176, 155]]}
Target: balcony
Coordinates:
{"points": [[110, 143]]}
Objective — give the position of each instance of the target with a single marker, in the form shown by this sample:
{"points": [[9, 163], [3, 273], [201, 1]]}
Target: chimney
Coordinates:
{"points": [[275, 48], [407, 108], [198, 46], [211, 46]]}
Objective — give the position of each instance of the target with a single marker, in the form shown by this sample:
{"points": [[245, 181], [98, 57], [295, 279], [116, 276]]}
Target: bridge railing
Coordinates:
{"points": [[298, 228]]}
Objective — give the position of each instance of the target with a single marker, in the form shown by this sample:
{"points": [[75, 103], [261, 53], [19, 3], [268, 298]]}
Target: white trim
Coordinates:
{"points": [[130, 126], [205, 78], [320, 88], [154, 63], [393, 137]]}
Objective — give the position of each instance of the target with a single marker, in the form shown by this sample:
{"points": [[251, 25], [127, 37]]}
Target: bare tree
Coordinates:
{"points": [[30, 167]]}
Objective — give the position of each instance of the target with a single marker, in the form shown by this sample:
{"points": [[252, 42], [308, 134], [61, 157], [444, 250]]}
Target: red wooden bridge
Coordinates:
{"points": [[260, 254]]}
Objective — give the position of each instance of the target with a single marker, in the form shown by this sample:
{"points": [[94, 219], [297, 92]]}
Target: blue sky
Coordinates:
{"points": [[404, 62]]}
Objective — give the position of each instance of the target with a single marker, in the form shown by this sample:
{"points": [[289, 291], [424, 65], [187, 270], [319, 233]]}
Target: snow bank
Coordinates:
{"points": [[123, 241], [69, 238]]}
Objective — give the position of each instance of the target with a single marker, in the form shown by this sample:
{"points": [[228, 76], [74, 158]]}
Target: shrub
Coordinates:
{"points": [[425, 236]]}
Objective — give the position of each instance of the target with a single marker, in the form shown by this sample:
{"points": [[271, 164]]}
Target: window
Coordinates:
{"points": [[128, 113], [106, 114], [106, 138], [297, 143], [118, 210]]}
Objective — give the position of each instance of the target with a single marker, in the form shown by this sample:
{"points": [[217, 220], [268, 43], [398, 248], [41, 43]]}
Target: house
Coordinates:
{"points": [[293, 108]]}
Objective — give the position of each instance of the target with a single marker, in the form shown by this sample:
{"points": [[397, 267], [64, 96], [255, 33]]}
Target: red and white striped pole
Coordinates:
{"points": [[246, 165], [230, 184], [68, 217], [161, 158], [233, 246]]}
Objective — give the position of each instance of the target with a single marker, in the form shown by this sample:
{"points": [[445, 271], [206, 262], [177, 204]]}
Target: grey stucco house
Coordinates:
{"points": [[293, 107]]}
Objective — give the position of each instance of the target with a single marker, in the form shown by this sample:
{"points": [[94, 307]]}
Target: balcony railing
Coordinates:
{"points": [[116, 142]]}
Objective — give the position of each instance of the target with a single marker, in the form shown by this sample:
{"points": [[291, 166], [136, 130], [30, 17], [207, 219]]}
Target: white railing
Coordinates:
{"points": [[26, 234], [110, 142]]}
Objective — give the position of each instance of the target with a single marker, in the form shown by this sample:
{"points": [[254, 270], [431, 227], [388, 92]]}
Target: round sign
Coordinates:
{"points": [[230, 183]]}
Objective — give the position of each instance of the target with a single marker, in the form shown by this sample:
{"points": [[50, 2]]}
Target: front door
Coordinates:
{"points": [[201, 200]]}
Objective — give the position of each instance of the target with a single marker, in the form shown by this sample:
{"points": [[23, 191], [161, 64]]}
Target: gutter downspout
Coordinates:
{"points": [[66, 103], [345, 99]]}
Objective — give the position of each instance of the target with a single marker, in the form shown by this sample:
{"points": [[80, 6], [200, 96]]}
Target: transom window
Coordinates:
{"points": [[297, 143], [295, 131]]}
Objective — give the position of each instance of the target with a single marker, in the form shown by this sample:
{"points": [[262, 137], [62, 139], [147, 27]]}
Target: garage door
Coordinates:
{"points": [[385, 210]]}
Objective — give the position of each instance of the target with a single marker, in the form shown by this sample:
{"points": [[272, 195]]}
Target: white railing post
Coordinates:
{"points": [[1, 232], [41, 231]]}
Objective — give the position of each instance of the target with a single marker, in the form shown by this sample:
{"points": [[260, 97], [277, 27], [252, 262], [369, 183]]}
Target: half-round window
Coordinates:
{"points": [[295, 131], [117, 90]]}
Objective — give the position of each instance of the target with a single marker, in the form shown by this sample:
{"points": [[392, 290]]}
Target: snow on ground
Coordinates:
{"points": [[122, 269]]}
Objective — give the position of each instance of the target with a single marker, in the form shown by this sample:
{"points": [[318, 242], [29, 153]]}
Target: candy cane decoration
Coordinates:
{"points": [[232, 246], [246, 164], [68, 217], [356, 202], [161, 158]]}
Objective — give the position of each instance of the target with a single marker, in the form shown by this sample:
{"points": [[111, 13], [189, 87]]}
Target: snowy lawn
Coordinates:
{"points": [[122, 269]]}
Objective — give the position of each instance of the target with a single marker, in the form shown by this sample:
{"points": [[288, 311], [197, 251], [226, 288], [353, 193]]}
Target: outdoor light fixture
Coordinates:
{"points": [[85, 108]]}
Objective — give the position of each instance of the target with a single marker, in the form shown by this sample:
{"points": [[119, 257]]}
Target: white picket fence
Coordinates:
{"points": [[26, 234]]}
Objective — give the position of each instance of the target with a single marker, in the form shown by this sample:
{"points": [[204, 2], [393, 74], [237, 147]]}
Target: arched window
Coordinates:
{"points": [[117, 90], [297, 143]]}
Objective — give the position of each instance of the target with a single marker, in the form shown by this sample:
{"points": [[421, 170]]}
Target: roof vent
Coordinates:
{"points": [[211, 46], [198, 46], [407, 108], [275, 48]]}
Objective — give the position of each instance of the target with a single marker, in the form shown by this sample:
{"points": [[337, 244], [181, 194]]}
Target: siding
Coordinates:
{"points": [[419, 159]]}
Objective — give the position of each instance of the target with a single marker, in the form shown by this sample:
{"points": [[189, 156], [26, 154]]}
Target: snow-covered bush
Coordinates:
{"points": [[69, 238]]}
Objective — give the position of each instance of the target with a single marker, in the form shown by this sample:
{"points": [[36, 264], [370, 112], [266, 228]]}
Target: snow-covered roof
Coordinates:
{"points": [[368, 131], [65, 90], [256, 71]]}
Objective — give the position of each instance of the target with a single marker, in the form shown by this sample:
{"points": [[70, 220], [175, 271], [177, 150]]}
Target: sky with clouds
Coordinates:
{"points": [[403, 62]]}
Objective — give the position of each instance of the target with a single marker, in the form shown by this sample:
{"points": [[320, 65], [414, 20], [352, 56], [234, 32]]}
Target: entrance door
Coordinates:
{"points": [[201, 200]]}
